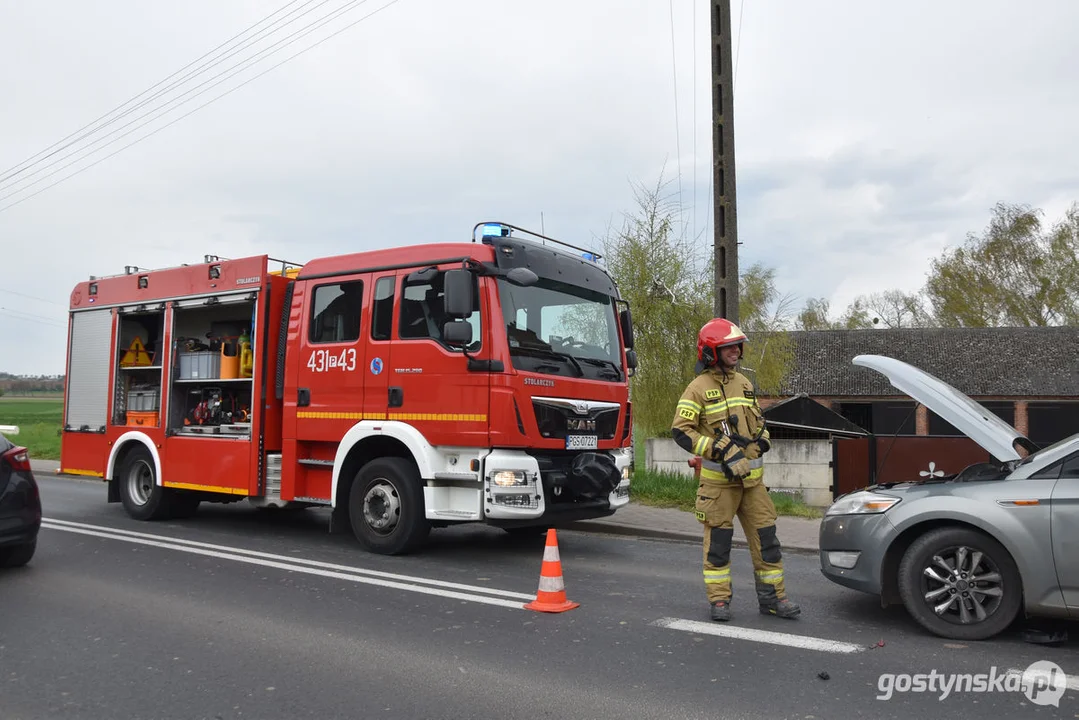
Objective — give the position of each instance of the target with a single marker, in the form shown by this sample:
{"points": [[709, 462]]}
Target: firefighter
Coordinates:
{"points": [[719, 420]]}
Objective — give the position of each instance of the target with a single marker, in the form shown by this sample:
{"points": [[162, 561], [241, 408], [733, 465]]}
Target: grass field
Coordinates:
{"points": [[680, 491], [39, 420]]}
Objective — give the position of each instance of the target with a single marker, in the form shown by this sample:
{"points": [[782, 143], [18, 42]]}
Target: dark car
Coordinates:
{"points": [[20, 506]]}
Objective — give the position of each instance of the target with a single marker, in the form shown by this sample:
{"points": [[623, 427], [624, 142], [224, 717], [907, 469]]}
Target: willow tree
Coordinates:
{"points": [[668, 282]]}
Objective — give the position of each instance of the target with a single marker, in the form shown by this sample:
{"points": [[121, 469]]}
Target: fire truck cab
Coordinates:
{"points": [[403, 388]]}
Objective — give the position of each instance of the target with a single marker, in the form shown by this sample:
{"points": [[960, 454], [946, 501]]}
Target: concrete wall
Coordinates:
{"points": [[800, 467]]}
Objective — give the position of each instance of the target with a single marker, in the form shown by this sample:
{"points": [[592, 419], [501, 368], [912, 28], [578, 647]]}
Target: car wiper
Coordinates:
{"points": [[541, 352], [605, 363]]}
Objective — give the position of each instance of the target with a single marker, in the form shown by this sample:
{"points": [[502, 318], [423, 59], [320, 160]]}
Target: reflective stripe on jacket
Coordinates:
{"points": [[713, 407]]}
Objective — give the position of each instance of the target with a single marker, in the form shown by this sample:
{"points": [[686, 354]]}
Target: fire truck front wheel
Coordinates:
{"points": [[385, 506], [142, 497]]}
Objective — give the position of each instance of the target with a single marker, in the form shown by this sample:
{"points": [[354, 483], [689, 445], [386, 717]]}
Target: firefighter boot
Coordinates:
{"points": [[721, 611], [783, 607], [715, 508]]}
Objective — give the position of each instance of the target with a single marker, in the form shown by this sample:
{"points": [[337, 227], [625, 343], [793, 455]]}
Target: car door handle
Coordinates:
{"points": [[397, 397], [303, 397]]}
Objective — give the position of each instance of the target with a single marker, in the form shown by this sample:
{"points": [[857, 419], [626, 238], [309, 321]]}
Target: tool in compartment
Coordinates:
{"points": [[215, 406]]}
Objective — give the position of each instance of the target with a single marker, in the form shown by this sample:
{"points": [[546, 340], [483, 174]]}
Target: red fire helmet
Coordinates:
{"points": [[717, 333]]}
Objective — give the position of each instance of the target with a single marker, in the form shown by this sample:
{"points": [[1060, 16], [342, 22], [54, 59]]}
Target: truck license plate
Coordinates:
{"points": [[582, 442]]}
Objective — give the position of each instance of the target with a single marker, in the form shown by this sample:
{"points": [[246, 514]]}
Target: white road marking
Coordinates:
{"points": [[426, 586], [765, 636], [1071, 680]]}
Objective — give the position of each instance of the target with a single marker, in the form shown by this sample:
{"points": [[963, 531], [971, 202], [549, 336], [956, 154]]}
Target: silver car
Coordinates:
{"points": [[966, 553]]}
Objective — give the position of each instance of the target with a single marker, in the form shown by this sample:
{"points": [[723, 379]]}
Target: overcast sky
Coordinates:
{"points": [[870, 135]]}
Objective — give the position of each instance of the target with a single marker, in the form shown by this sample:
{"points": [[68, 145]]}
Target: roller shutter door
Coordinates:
{"points": [[88, 371]]}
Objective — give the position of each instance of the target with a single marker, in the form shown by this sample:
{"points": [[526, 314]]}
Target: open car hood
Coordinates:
{"points": [[983, 427]]}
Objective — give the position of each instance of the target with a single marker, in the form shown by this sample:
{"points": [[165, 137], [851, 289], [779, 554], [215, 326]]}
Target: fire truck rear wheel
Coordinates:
{"points": [[385, 507], [142, 497]]}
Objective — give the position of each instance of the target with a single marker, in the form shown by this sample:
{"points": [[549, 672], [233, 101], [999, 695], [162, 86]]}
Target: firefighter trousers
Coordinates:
{"points": [[716, 508]]}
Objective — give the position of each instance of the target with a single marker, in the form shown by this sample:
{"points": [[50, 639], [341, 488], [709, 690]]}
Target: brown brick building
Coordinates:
{"points": [[1027, 376]]}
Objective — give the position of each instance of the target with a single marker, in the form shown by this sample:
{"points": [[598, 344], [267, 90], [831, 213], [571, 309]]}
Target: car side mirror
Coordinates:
{"points": [[458, 298], [457, 333], [631, 359], [626, 320]]}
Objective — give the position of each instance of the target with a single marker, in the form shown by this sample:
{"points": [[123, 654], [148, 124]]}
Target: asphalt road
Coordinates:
{"points": [[241, 613]]}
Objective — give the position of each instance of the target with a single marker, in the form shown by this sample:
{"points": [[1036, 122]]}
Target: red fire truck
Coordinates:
{"points": [[405, 388]]}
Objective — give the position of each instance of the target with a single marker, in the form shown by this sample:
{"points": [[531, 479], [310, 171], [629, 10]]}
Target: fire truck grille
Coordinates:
{"points": [[556, 422]]}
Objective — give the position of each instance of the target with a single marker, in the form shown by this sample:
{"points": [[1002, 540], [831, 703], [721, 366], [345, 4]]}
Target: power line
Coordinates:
{"points": [[351, 5], [677, 125], [127, 112], [738, 52], [30, 317], [173, 122], [32, 297], [694, 95], [15, 169]]}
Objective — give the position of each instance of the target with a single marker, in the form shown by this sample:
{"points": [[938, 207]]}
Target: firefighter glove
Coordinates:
{"points": [[736, 463], [740, 440], [763, 445]]}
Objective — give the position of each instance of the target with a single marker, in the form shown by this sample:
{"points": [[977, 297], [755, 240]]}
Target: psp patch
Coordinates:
{"points": [[712, 394], [700, 515], [687, 413]]}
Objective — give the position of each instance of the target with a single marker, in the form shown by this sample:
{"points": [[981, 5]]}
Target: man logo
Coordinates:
{"points": [[580, 425], [580, 407]]}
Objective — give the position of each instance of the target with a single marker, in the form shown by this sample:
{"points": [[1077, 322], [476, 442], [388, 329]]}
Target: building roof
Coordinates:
{"points": [[981, 362], [804, 413]]}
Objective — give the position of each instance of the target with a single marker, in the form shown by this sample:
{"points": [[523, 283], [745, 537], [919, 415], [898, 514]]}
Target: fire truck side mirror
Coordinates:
{"points": [[631, 359], [626, 319], [458, 299], [457, 333]]}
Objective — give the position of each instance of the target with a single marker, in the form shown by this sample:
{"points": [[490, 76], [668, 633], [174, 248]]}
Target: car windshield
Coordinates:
{"points": [[557, 328]]}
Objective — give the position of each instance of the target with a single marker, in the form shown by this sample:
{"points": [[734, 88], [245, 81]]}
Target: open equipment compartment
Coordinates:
{"points": [[139, 356], [211, 392]]}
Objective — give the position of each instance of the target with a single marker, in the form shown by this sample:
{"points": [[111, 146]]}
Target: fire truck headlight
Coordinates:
{"points": [[509, 478], [625, 473]]}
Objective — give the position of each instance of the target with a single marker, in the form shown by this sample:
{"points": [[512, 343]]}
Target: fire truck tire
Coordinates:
{"points": [[142, 497], [385, 507]]}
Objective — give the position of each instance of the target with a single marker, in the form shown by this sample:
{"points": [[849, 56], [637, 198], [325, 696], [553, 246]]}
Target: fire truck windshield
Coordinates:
{"points": [[561, 329]]}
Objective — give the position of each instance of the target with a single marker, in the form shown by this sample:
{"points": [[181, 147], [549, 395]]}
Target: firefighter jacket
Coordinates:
{"points": [[716, 416]]}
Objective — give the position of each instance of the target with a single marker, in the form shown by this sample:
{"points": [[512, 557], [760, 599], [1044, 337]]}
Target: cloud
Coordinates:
{"points": [[868, 137]]}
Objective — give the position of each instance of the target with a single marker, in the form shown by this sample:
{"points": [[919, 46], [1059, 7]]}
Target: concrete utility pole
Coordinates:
{"points": [[723, 182]]}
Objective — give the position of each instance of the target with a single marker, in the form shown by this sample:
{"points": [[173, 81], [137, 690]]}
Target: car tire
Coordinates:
{"points": [[385, 507], [142, 497], [17, 555], [925, 585]]}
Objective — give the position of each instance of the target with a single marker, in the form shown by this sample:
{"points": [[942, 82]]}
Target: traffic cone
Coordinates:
{"points": [[551, 596]]}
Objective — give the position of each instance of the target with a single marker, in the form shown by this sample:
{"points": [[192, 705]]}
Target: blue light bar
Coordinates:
{"points": [[589, 256], [495, 230]]}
